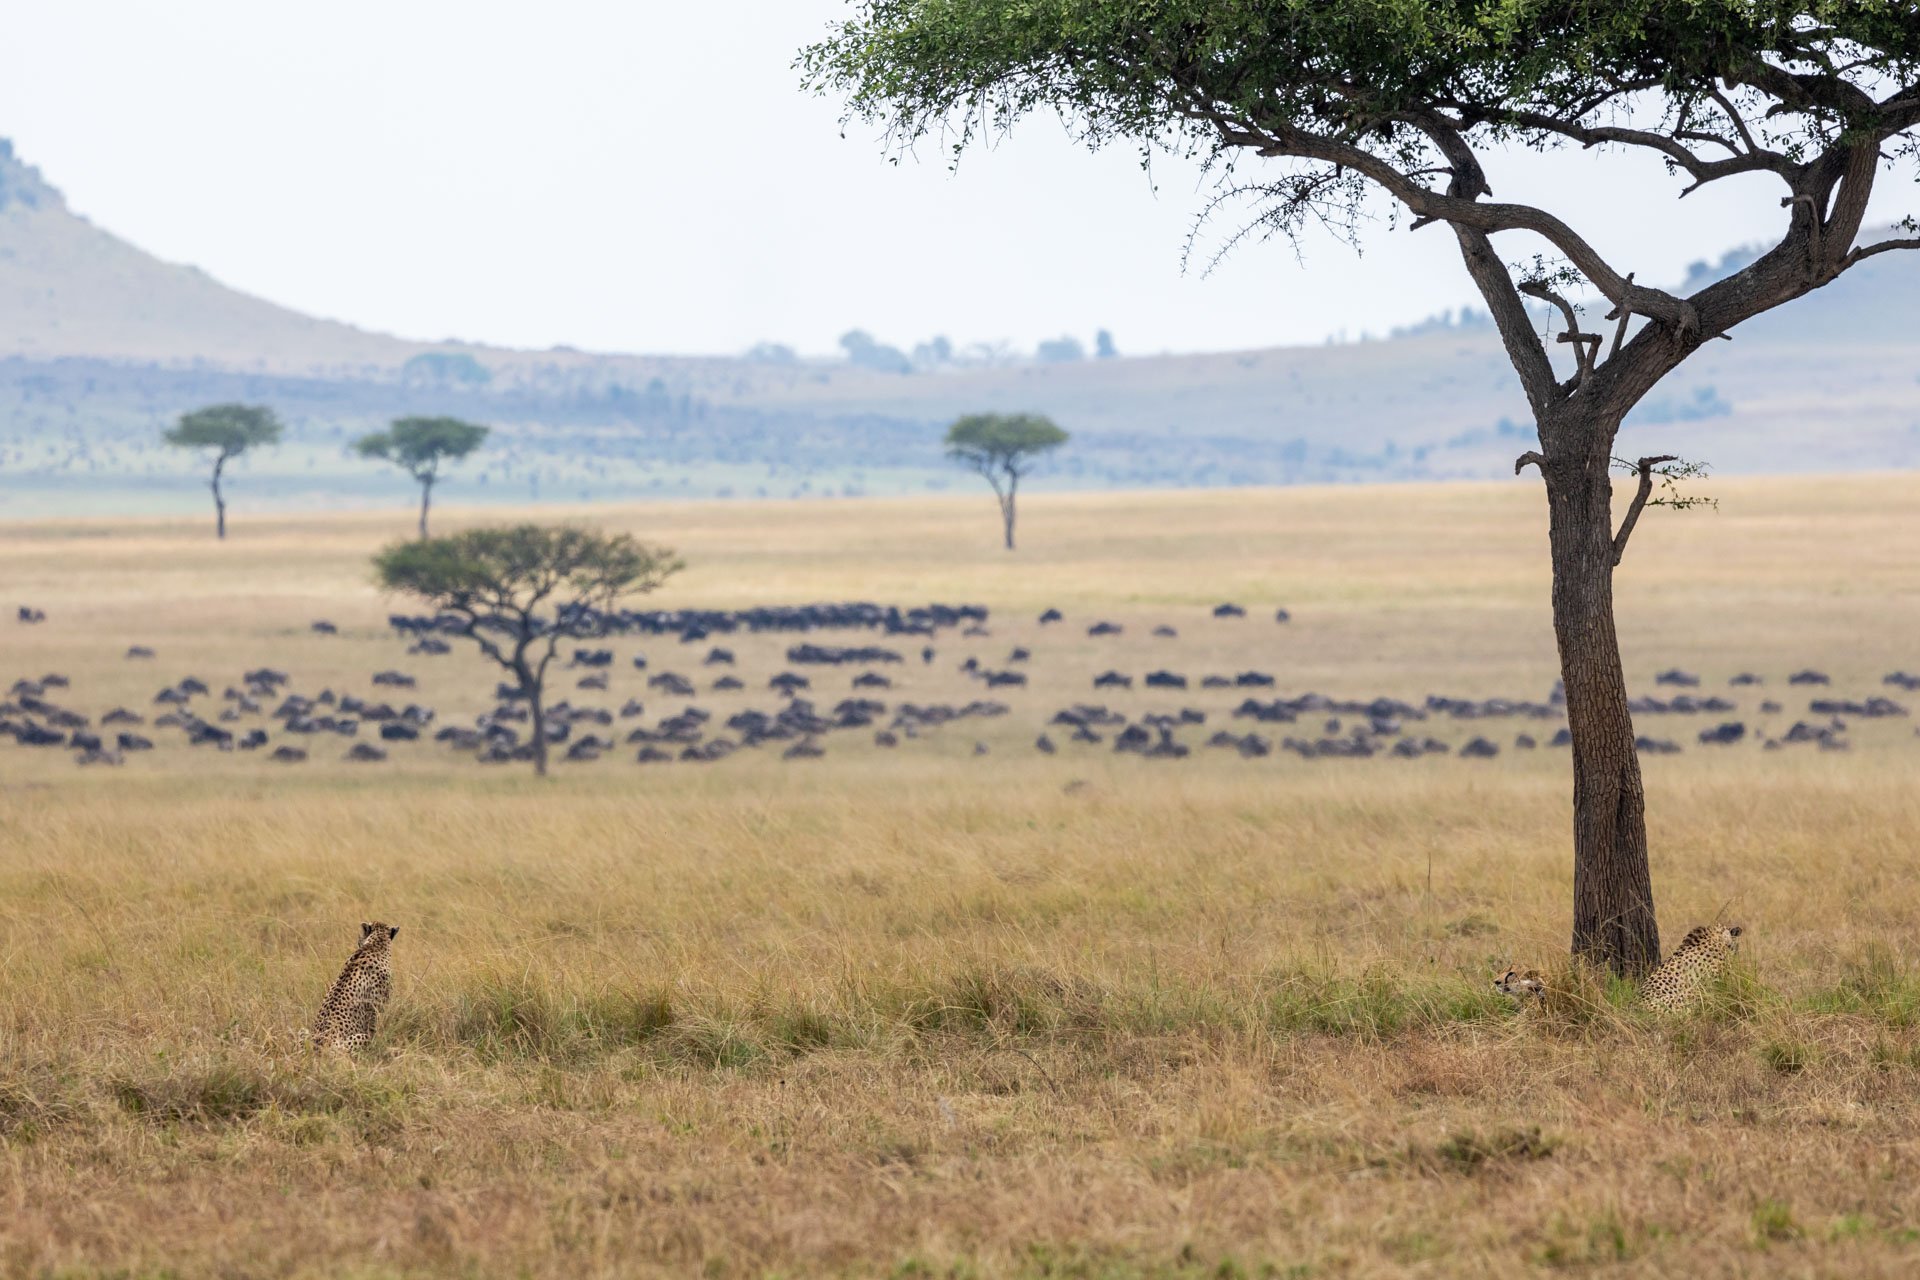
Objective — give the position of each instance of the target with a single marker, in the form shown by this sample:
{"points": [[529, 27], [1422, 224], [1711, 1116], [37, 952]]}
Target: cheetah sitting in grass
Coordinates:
{"points": [[1686, 974], [1522, 984], [359, 993]]}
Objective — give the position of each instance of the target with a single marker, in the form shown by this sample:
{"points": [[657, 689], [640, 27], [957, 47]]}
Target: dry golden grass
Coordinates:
{"points": [[926, 1014]]}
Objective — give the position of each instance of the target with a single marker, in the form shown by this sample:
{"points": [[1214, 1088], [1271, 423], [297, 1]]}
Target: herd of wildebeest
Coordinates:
{"points": [[261, 711]]}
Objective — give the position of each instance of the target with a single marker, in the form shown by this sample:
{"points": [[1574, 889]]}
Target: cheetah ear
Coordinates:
{"points": [[393, 931], [1736, 931], [365, 929]]}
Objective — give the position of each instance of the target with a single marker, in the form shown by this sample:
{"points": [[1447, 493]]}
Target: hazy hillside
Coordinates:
{"points": [[71, 289], [101, 345]]}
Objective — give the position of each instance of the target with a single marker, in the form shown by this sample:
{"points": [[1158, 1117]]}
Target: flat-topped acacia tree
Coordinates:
{"points": [[1003, 447], [420, 447], [229, 430], [1318, 107], [519, 591]]}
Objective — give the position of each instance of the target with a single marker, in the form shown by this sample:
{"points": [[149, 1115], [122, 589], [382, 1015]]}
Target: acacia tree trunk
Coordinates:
{"points": [[1613, 912], [1006, 508], [219, 503], [426, 500], [532, 685]]}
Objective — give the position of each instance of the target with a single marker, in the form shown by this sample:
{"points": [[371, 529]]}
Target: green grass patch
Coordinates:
{"points": [[1874, 983], [1774, 1223]]}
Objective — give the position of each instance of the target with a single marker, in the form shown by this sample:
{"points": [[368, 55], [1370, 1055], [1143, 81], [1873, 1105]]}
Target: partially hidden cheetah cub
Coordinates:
{"points": [[1522, 984], [1684, 975], [359, 993]]}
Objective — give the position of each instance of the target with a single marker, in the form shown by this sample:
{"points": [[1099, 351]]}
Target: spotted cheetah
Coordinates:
{"points": [[1522, 984], [359, 993], [1700, 958]]}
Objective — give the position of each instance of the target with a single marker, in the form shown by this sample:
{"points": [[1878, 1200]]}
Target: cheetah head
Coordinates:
{"points": [[375, 934], [1521, 984], [1730, 936]]}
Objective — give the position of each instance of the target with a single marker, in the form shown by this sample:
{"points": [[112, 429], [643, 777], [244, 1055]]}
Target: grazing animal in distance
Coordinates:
{"points": [[1684, 975], [354, 1001]]}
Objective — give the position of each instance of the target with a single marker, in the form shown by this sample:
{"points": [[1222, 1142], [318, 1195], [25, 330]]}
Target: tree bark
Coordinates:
{"points": [[1613, 911], [1007, 510], [532, 686], [219, 503]]}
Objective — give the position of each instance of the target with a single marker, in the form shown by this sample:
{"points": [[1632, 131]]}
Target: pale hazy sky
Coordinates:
{"points": [[637, 175]]}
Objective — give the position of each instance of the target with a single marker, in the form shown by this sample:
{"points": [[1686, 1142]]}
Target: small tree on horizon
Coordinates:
{"points": [[229, 430], [1003, 447], [420, 447], [498, 581], [1334, 112]]}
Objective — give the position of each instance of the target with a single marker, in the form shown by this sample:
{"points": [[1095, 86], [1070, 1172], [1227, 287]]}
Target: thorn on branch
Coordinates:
{"points": [[1531, 457]]}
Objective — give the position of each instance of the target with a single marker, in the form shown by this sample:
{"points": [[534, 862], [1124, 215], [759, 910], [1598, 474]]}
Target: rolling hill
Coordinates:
{"points": [[101, 344]]}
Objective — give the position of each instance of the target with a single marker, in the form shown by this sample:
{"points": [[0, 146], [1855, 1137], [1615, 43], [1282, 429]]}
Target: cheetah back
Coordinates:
{"points": [[1699, 959], [352, 1007]]}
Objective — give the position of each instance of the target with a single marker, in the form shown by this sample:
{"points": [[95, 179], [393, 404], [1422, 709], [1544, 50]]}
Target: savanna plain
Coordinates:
{"points": [[961, 1008]]}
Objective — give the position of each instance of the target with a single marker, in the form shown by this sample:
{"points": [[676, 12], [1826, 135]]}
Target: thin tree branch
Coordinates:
{"points": [[1583, 354], [1461, 211], [1490, 275], [1645, 467], [1700, 169], [1496, 286], [1623, 314], [1734, 118], [1885, 246]]}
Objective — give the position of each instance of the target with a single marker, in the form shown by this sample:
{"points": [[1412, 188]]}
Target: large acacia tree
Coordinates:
{"points": [[1319, 107], [517, 592]]}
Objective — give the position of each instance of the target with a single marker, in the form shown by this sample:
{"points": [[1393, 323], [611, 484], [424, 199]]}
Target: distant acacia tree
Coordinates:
{"points": [[229, 430], [1002, 447], [519, 591], [1318, 112], [420, 447]]}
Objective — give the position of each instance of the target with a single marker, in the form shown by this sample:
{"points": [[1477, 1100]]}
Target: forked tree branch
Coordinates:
{"points": [[1699, 168], [1523, 347], [1829, 180], [1645, 467], [1427, 205], [1583, 353]]}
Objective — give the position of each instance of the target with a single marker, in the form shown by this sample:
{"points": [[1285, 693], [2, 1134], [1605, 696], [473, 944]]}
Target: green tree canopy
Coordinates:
{"points": [[1002, 439], [520, 569], [518, 591], [229, 430], [1356, 97], [420, 447], [1002, 447]]}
